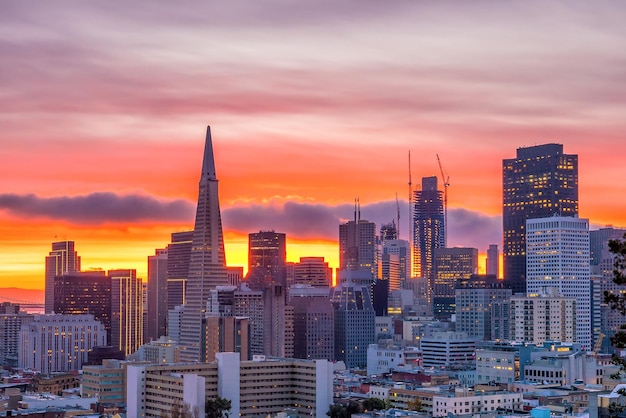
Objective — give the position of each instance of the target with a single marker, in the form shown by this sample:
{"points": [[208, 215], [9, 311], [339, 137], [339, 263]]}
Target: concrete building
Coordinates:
{"points": [[557, 256], [62, 259], [562, 367], [11, 321], [313, 271], [224, 332], [126, 310], [255, 388], [59, 343], [540, 181], [546, 316], [448, 349], [156, 314], [492, 264], [163, 350], [107, 382], [207, 260]]}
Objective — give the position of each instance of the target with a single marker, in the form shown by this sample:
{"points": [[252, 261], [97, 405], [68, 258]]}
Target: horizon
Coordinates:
{"points": [[104, 118]]}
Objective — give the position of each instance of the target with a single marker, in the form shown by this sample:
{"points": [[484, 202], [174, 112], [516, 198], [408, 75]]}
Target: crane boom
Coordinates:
{"points": [[446, 182]]}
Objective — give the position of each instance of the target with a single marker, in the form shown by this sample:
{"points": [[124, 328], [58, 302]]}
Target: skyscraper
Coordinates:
{"points": [[267, 257], [207, 264], [357, 246], [493, 261], [541, 181], [557, 250], [178, 255], [126, 310], [450, 265], [428, 227], [156, 318], [62, 259]]}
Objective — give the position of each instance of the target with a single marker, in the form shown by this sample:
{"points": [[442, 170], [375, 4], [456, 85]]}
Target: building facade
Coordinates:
{"points": [[540, 181], [449, 266], [314, 319], [62, 259], [428, 227], [126, 310], [474, 302], [358, 246], [156, 318], [267, 258]]}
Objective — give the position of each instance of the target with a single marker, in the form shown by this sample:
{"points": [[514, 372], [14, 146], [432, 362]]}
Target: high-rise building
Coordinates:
{"points": [[62, 259], [388, 232], [267, 257], [11, 321], [492, 264], [557, 255], [235, 275], [126, 310], [402, 249], [474, 302], [314, 334], [428, 227], [358, 247], [355, 321], [540, 181], [59, 343], [546, 316], [225, 332], [178, 255], [156, 315], [87, 292], [450, 265], [207, 263]]}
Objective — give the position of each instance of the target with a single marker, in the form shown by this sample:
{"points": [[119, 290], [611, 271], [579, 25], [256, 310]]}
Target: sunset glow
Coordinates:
{"points": [[103, 115]]}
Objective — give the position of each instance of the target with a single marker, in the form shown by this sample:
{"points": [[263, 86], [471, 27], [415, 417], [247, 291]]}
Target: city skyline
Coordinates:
{"points": [[103, 122]]}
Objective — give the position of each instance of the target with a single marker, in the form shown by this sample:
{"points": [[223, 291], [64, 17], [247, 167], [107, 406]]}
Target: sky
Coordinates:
{"points": [[104, 107]]}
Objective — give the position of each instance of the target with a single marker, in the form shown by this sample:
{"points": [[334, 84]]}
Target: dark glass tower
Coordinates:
{"points": [[207, 263], [267, 258], [428, 227], [541, 181]]}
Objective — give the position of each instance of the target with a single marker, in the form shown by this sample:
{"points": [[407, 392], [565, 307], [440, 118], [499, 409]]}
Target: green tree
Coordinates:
{"points": [[373, 404], [217, 408]]}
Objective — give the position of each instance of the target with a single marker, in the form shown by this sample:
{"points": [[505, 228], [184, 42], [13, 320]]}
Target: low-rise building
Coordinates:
{"points": [[465, 402]]}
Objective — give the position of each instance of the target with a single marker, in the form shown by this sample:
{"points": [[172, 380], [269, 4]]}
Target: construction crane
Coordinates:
{"points": [[446, 182], [398, 215]]}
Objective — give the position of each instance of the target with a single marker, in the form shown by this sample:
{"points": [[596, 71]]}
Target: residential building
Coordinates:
{"points": [[11, 321], [540, 181], [126, 310], [466, 401]]}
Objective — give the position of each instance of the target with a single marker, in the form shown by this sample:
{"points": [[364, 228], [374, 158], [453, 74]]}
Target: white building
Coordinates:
{"points": [[382, 358], [466, 401], [448, 349], [59, 343], [557, 255], [546, 316]]}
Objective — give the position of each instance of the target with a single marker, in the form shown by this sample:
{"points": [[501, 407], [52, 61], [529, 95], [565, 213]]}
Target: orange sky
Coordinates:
{"points": [[103, 117]]}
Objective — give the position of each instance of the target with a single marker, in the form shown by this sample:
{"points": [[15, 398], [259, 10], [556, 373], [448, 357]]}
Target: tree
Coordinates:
{"points": [[373, 404], [617, 301], [415, 405], [338, 410], [217, 408]]}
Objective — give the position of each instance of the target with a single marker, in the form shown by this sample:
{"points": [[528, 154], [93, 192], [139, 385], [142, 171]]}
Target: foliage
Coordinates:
{"points": [[415, 405], [338, 410], [373, 404], [217, 408]]}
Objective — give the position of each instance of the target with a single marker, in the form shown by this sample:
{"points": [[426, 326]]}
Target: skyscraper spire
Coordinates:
{"points": [[207, 265]]}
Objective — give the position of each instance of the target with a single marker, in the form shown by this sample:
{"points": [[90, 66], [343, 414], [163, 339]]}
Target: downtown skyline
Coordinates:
{"points": [[103, 123]]}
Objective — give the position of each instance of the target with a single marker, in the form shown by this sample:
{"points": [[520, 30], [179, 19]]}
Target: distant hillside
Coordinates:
{"points": [[16, 295]]}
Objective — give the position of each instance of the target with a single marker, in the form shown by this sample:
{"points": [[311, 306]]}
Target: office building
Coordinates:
{"points": [[178, 256], [267, 257], [314, 319], [224, 332], [59, 343], [207, 262], [428, 227], [466, 402], [84, 293], [474, 300], [546, 316], [557, 251], [492, 264], [263, 386], [126, 310], [156, 315], [163, 350], [402, 249], [313, 271], [62, 259], [447, 349], [388, 281], [235, 275], [107, 382], [449, 266], [358, 247], [354, 323], [540, 181]]}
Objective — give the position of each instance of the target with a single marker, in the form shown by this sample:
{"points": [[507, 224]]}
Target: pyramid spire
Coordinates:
{"points": [[208, 162]]}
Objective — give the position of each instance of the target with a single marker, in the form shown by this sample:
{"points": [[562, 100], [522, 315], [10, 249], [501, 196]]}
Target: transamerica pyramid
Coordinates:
{"points": [[207, 265]]}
